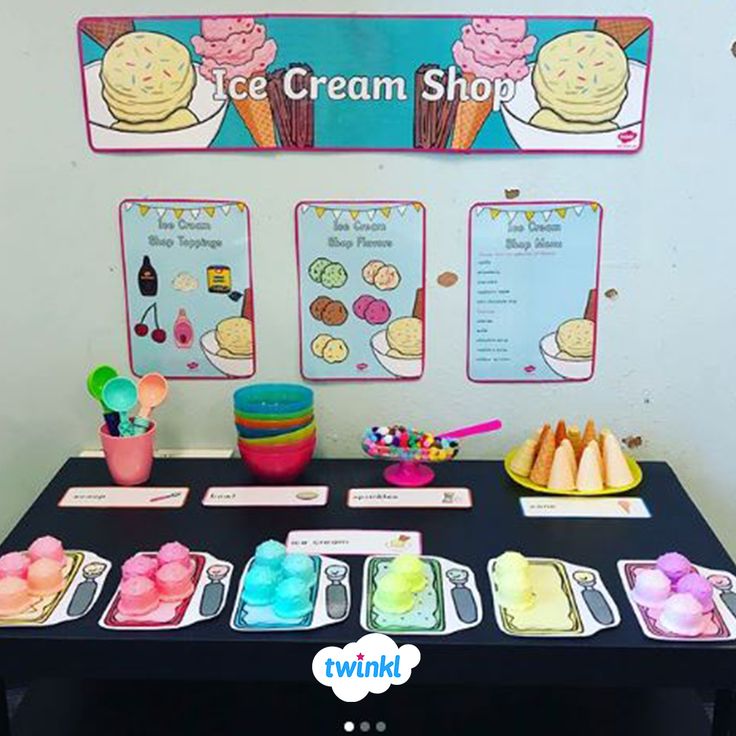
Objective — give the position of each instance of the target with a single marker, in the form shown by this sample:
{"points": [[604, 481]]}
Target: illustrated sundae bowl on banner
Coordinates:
{"points": [[583, 92], [147, 92]]}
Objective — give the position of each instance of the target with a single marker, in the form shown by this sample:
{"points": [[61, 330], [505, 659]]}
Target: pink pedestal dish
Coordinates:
{"points": [[45, 577], [408, 475], [14, 565], [129, 459], [14, 596], [47, 547], [138, 596]]}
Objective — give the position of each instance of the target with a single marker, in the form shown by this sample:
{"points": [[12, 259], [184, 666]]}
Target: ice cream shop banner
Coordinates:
{"points": [[351, 82]]}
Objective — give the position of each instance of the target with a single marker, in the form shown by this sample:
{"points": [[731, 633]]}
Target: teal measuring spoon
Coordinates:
{"points": [[121, 395]]}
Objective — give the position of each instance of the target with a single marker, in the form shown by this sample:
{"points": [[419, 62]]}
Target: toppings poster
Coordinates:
{"points": [[188, 288], [439, 83]]}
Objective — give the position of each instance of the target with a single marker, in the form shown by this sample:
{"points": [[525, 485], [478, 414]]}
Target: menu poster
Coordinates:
{"points": [[188, 288], [533, 291], [361, 289]]}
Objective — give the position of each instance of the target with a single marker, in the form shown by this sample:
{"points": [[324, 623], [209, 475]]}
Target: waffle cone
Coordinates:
{"points": [[617, 472], [590, 477], [258, 118], [566, 445], [523, 459], [560, 432], [589, 433], [561, 477], [623, 30], [106, 30], [545, 456], [573, 434], [469, 119]]}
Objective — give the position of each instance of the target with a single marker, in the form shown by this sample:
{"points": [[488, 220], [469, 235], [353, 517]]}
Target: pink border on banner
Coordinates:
{"points": [[215, 202], [361, 202], [543, 202], [352, 149]]}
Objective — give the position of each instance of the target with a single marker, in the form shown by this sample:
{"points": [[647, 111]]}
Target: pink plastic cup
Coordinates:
{"points": [[129, 459]]}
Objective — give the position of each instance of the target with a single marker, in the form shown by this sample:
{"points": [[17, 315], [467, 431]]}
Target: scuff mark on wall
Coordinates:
{"points": [[632, 441], [447, 279]]}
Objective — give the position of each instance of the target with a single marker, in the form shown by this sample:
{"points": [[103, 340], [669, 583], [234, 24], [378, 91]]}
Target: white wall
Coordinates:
{"points": [[666, 343]]}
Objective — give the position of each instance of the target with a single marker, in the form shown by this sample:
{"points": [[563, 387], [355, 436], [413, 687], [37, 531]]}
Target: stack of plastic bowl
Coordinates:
{"points": [[277, 433]]}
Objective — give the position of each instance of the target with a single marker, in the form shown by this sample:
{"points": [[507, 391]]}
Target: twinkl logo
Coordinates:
{"points": [[363, 667], [370, 665]]}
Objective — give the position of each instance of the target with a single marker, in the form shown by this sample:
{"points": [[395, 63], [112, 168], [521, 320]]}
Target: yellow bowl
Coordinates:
{"points": [[282, 439], [633, 466]]}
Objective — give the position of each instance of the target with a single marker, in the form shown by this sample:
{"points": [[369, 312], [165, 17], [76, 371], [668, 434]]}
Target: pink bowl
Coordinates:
{"points": [[275, 464]]}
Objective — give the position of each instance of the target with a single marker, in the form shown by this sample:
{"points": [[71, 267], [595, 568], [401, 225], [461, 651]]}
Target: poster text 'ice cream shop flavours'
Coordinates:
{"points": [[359, 235], [533, 291]]}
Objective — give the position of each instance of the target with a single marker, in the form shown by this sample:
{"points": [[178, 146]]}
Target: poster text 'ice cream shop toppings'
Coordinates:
{"points": [[441, 83]]}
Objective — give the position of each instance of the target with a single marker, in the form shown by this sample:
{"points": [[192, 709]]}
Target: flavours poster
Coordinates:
{"points": [[339, 82], [533, 291], [361, 289], [188, 288]]}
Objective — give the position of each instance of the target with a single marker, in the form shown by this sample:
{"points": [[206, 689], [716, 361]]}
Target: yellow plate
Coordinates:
{"points": [[633, 466]]}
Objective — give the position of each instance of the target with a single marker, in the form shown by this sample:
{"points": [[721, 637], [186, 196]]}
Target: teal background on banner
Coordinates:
{"points": [[367, 47]]}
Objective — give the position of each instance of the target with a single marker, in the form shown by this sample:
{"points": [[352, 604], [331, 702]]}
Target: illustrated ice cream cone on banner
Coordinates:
{"points": [[106, 30], [623, 30], [494, 49], [239, 47]]}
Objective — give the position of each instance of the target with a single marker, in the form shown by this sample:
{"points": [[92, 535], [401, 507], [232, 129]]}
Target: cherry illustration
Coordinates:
{"points": [[158, 335]]}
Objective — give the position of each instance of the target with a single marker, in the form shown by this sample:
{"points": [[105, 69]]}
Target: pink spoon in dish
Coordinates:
{"points": [[492, 425]]}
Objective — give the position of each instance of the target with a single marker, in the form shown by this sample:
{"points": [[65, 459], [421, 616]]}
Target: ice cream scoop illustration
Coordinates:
{"points": [[492, 49], [581, 82], [239, 48], [147, 83]]}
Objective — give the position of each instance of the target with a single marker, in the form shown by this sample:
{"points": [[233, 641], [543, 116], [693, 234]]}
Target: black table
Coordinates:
{"points": [[619, 658]]}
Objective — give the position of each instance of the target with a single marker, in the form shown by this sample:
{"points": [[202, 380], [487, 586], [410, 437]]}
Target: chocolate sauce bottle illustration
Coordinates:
{"points": [[147, 278]]}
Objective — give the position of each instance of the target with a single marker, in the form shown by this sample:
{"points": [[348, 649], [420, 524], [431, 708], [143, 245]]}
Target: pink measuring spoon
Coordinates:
{"points": [[457, 434]]}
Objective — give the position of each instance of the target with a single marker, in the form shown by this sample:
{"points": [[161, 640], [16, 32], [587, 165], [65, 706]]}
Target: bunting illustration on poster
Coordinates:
{"points": [[444, 83], [361, 287], [533, 291], [188, 288]]}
